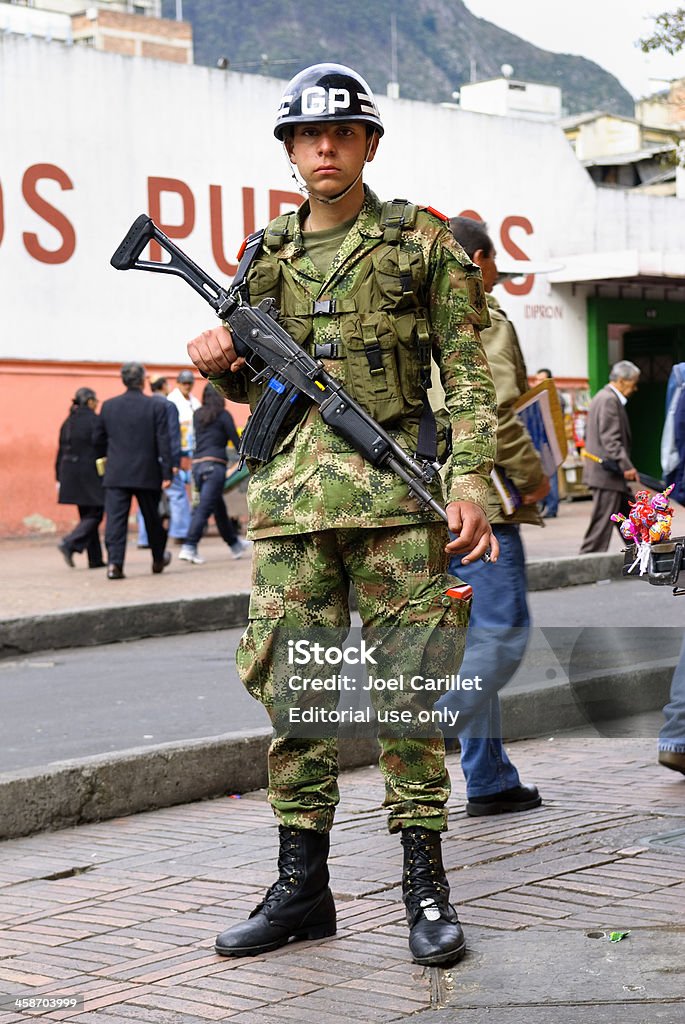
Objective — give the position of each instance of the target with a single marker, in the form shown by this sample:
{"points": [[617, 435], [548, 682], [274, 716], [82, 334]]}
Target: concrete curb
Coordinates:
{"points": [[73, 792], [69, 793], [590, 701], [88, 627], [553, 573], [92, 626]]}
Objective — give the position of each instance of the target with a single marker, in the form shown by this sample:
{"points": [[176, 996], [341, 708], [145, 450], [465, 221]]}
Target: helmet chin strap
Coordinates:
{"points": [[301, 187]]}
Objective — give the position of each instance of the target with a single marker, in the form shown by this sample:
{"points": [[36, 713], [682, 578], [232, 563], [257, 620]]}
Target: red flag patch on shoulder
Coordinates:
{"points": [[436, 213]]}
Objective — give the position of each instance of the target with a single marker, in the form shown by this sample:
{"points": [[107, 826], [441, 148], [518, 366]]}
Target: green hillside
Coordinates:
{"points": [[438, 44]]}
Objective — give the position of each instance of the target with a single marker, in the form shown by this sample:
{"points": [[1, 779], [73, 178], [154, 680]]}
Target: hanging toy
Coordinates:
{"points": [[649, 523], [660, 530], [659, 502], [626, 528]]}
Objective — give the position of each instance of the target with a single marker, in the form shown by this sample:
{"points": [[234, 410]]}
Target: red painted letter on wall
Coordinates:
{"points": [[512, 248], [279, 199], [471, 214], [48, 212], [155, 189], [216, 221]]}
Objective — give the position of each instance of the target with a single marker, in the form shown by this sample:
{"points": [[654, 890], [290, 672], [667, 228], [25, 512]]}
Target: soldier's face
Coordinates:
{"points": [[329, 155]]}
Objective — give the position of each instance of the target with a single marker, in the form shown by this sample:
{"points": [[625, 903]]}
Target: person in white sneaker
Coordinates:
{"points": [[214, 428]]}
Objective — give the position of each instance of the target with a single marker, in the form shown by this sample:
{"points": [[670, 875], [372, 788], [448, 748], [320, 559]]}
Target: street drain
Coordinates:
{"points": [[595, 935]]}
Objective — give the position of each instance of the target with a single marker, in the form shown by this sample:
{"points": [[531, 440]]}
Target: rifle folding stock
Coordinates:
{"points": [[290, 372]]}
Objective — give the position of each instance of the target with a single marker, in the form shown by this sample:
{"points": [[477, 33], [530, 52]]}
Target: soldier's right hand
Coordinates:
{"points": [[213, 352]]}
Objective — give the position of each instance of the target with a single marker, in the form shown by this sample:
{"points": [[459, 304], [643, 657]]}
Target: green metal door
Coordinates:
{"points": [[654, 340], [654, 351]]}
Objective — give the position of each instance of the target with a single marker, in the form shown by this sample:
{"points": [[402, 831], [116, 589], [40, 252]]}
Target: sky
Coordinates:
{"points": [[604, 31]]}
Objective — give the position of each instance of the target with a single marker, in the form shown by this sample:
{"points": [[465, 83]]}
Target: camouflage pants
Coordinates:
{"points": [[300, 588]]}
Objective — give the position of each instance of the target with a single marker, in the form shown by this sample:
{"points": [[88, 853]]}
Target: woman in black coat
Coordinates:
{"points": [[79, 483]]}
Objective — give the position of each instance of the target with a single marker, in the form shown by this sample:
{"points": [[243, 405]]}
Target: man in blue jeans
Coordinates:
{"points": [[672, 736], [499, 623]]}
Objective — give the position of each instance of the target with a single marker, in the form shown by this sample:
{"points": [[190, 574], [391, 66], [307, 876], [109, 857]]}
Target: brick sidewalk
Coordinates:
{"points": [[37, 581], [125, 911]]}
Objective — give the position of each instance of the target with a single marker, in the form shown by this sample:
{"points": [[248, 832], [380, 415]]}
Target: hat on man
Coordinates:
{"points": [[186, 377]]}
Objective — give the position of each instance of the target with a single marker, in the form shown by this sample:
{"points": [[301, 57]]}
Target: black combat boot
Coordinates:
{"points": [[435, 935], [298, 905]]}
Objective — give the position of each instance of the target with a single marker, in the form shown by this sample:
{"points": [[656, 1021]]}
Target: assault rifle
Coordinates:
{"points": [[290, 372]]}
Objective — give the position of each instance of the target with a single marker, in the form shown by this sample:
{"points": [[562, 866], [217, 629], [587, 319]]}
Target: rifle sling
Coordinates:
{"points": [[248, 252]]}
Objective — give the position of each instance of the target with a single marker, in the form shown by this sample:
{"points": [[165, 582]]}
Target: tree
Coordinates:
{"points": [[669, 33]]}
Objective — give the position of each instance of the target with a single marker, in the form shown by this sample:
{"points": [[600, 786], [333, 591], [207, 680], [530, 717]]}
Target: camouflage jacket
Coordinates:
{"points": [[516, 453], [314, 482]]}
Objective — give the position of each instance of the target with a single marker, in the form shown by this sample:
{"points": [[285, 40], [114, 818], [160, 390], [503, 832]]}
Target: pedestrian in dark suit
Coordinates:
{"points": [[79, 483], [134, 429], [608, 437]]}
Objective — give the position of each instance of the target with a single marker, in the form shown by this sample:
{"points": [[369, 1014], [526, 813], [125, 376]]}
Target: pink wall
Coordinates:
{"points": [[35, 397]]}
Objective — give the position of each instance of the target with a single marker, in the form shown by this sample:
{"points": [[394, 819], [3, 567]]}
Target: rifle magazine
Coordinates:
{"points": [[265, 425]]}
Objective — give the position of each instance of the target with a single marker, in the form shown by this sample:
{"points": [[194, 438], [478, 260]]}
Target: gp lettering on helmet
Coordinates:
{"points": [[327, 92], [316, 100]]}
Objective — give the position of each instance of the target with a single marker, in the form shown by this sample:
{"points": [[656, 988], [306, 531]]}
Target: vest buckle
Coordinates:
{"points": [[329, 351], [323, 306]]}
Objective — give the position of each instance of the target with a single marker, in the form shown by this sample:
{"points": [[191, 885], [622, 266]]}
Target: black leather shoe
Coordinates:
{"points": [[115, 572], [519, 798], [67, 553], [161, 565], [299, 905], [672, 759], [435, 935], [97, 565]]}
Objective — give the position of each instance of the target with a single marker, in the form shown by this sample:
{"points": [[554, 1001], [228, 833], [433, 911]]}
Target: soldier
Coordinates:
{"points": [[371, 289]]}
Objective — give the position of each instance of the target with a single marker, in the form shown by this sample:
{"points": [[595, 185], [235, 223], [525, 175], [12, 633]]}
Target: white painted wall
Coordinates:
{"points": [[110, 122]]}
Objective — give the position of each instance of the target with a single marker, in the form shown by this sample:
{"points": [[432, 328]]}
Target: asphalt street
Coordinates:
{"points": [[74, 703]]}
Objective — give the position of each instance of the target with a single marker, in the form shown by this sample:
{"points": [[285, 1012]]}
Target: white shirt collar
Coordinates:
{"points": [[622, 398]]}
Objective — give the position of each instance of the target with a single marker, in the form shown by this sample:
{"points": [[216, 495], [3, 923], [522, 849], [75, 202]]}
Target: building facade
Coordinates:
{"points": [[98, 138]]}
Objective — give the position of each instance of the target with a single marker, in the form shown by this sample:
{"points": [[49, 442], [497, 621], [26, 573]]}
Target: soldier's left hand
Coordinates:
{"points": [[473, 532]]}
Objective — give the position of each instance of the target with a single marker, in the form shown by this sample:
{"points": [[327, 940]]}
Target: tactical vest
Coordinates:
{"points": [[378, 338]]}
